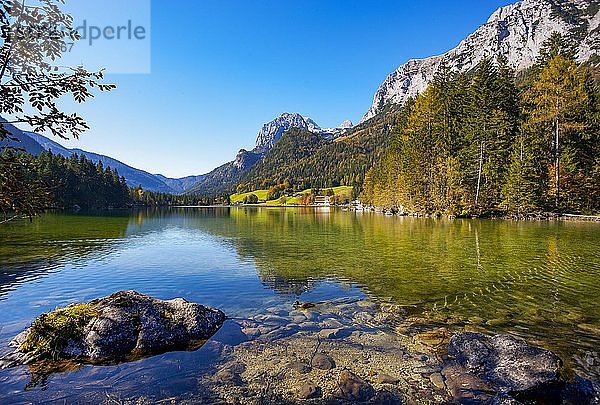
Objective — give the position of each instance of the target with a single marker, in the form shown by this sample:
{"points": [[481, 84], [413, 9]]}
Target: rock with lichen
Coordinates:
{"points": [[123, 326], [505, 362]]}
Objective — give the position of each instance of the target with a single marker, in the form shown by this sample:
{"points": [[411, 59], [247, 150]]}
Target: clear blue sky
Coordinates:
{"points": [[220, 69]]}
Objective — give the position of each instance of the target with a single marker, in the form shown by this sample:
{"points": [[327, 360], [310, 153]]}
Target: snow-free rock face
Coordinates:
{"points": [[224, 178], [244, 160], [502, 369], [515, 32], [504, 362], [272, 131], [347, 124], [313, 126], [123, 326]]}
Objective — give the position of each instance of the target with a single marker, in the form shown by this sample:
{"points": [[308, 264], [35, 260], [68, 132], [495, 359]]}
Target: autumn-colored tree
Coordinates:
{"points": [[556, 97], [475, 143]]}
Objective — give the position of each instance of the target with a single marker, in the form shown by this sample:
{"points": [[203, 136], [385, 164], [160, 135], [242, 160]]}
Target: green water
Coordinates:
{"points": [[538, 280]]}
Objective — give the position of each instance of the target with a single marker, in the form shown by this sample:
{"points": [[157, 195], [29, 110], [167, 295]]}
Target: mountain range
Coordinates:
{"points": [[35, 143], [272, 131], [514, 33], [213, 183], [224, 178]]}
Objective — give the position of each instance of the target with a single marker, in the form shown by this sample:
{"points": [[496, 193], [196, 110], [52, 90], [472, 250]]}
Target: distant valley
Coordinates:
{"points": [[35, 143], [217, 182], [313, 156]]}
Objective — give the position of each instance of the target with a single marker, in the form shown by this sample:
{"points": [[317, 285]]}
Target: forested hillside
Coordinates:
{"points": [[144, 198], [303, 160], [482, 142], [54, 181]]}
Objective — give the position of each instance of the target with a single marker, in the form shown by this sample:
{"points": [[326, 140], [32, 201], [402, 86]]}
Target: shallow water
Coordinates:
{"points": [[539, 280]]}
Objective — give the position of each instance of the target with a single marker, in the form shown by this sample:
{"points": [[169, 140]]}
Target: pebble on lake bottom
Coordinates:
{"points": [[323, 361], [340, 360], [368, 363]]}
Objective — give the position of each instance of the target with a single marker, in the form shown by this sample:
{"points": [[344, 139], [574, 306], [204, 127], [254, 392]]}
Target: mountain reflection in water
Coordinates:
{"points": [[538, 280]]}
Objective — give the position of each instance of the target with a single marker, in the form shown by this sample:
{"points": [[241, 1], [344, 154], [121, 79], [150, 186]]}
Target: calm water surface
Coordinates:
{"points": [[538, 280]]}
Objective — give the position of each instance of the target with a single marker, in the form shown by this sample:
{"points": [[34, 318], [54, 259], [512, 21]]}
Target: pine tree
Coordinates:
{"points": [[521, 193]]}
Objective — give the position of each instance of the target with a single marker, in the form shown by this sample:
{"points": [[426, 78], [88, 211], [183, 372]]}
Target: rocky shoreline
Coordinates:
{"points": [[361, 352], [537, 216], [338, 352]]}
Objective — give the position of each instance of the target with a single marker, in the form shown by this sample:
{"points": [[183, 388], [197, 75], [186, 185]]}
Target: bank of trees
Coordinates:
{"points": [[144, 198], [54, 181], [30, 183], [485, 142], [250, 199]]}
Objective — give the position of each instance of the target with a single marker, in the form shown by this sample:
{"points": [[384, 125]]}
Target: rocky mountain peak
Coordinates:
{"points": [[515, 32], [245, 159], [347, 124], [313, 126], [273, 130]]}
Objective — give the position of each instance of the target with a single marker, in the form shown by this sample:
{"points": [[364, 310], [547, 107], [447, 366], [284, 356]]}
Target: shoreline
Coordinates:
{"points": [[542, 216], [348, 351], [539, 217]]}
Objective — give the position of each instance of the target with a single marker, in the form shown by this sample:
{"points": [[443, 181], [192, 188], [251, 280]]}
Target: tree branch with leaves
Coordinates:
{"points": [[32, 81]]}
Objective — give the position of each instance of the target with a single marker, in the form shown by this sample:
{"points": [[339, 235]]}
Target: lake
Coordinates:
{"points": [[537, 280]]}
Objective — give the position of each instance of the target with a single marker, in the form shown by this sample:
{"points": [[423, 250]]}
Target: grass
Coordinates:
{"points": [[50, 333], [261, 194], [343, 191]]}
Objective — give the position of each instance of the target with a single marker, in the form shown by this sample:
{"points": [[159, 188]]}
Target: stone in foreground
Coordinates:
{"points": [[504, 362], [353, 388], [124, 326], [504, 367]]}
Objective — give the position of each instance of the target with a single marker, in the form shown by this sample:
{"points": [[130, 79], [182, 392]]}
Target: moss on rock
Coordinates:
{"points": [[121, 327], [50, 333]]}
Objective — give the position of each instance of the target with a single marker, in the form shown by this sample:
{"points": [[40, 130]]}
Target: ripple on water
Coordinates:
{"points": [[537, 280]]}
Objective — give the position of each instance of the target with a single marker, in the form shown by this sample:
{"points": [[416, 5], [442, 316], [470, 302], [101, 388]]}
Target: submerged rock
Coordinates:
{"points": [[354, 388], [504, 368], [383, 378], [300, 367], [322, 361], [303, 305], [123, 326], [504, 362], [333, 333], [231, 374], [385, 398], [310, 391]]}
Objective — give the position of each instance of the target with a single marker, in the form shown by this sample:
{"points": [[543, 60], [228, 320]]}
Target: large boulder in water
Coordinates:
{"points": [[505, 362], [126, 325], [504, 368]]}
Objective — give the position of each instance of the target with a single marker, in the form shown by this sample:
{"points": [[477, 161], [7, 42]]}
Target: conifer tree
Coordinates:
{"points": [[521, 192]]}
